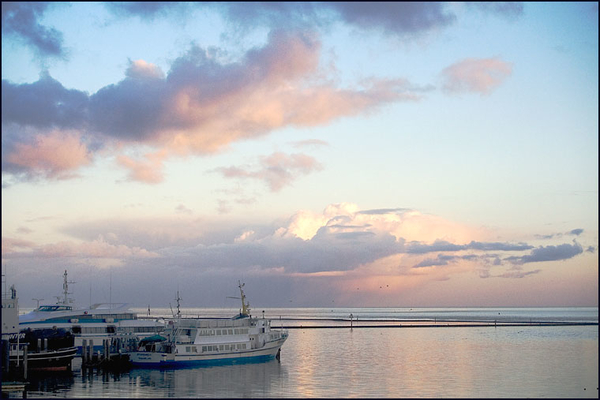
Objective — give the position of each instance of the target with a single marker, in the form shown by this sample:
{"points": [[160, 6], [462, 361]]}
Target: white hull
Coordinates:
{"points": [[161, 359]]}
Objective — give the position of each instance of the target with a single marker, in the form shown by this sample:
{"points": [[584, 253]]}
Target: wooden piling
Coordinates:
{"points": [[25, 361], [91, 355], [5, 355], [84, 351]]}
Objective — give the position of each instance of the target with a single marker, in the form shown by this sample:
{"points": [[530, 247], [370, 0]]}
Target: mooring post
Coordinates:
{"points": [[5, 355], [351, 316], [84, 351], [25, 361]]}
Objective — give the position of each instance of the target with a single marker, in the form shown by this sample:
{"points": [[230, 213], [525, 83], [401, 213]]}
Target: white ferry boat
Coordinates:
{"points": [[208, 341], [95, 323]]}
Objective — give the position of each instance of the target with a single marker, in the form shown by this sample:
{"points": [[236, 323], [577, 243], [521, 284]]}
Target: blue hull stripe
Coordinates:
{"points": [[199, 363]]}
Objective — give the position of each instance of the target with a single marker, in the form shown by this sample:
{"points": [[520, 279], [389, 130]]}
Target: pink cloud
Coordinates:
{"points": [[212, 105], [11, 245], [55, 155], [98, 248], [142, 69], [276, 170], [148, 170], [476, 75]]}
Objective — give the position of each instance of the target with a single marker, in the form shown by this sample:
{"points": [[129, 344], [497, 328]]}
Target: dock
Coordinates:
{"points": [[114, 355], [9, 387], [347, 323]]}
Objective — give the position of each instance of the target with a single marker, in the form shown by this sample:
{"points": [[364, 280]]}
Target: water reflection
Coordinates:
{"points": [[55, 382], [413, 362], [243, 380]]}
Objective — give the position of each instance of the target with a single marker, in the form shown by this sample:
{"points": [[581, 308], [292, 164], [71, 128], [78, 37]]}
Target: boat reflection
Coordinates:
{"points": [[241, 380], [245, 380], [57, 382]]}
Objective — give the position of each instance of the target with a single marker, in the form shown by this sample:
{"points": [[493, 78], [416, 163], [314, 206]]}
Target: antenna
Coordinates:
{"points": [[90, 265]]}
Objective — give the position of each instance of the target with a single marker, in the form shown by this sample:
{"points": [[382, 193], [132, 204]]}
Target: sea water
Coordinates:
{"points": [[528, 360]]}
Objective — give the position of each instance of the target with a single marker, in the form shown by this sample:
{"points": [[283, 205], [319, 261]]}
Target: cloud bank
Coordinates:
{"points": [[200, 106], [342, 246], [203, 104]]}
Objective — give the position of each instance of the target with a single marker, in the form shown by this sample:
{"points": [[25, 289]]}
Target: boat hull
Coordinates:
{"points": [[174, 360], [53, 360]]}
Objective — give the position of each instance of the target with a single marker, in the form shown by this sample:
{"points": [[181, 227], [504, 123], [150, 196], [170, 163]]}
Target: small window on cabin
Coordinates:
{"points": [[231, 331], [76, 329]]}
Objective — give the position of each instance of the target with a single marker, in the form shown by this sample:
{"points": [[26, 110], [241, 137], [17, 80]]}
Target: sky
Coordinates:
{"points": [[338, 154]]}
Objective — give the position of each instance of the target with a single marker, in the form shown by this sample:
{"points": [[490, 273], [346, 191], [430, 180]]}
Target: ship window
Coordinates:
{"points": [[231, 331], [218, 331], [221, 347], [110, 329], [76, 329]]}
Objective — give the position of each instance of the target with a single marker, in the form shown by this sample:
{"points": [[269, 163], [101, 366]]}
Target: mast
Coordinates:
{"points": [[178, 304], [66, 300], [245, 305]]}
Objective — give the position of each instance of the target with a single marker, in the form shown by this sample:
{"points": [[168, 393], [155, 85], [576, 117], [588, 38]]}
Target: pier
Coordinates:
{"points": [[113, 355], [355, 324]]}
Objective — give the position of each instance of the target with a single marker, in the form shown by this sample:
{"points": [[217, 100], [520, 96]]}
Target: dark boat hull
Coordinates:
{"points": [[47, 349], [53, 360]]}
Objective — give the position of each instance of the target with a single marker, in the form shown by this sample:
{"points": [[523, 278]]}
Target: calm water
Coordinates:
{"points": [[506, 361]]}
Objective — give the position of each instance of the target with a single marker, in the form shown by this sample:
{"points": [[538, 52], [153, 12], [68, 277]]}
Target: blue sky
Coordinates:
{"points": [[348, 154]]}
